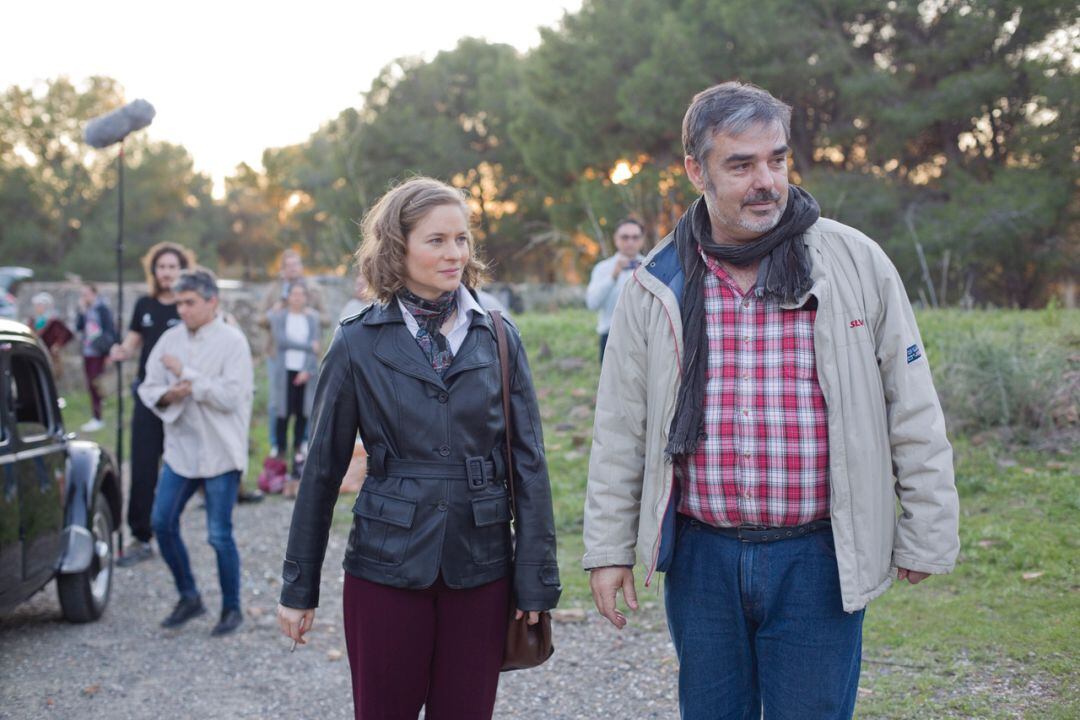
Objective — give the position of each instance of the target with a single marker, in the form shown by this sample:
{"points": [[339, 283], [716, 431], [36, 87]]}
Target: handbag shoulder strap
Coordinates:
{"points": [[504, 366]]}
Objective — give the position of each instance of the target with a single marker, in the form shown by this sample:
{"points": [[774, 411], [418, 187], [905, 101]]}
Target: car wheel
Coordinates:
{"points": [[83, 596]]}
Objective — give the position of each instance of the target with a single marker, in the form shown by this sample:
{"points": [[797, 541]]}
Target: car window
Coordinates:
{"points": [[29, 397]]}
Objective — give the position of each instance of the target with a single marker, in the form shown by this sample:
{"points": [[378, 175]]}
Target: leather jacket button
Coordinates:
{"points": [[443, 397], [444, 451], [442, 505]]}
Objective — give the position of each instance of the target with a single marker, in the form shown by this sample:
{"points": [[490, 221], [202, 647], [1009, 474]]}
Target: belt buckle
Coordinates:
{"points": [[474, 469], [750, 533]]}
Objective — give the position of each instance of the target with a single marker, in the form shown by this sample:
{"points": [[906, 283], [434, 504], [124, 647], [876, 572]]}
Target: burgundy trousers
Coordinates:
{"points": [[93, 367], [437, 648]]}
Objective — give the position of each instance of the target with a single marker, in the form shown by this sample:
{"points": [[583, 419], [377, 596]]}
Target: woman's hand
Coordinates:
{"points": [[294, 623], [126, 349], [534, 616], [301, 378], [118, 353]]}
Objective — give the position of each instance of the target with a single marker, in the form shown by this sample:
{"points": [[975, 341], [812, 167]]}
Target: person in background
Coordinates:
{"points": [[489, 302], [44, 311], [95, 325], [610, 275], [50, 329], [359, 300], [292, 271], [199, 382], [296, 333], [154, 313]]}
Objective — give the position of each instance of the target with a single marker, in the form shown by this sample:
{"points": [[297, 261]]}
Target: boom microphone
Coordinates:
{"points": [[113, 127]]}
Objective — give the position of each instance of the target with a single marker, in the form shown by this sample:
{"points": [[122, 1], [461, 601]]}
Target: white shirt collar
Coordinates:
{"points": [[467, 303], [207, 328]]}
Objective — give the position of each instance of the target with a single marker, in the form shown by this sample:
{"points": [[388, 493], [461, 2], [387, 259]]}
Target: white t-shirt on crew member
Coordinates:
{"points": [[296, 330]]}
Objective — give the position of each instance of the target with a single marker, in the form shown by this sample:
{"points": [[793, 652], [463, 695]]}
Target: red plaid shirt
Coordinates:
{"points": [[765, 456]]}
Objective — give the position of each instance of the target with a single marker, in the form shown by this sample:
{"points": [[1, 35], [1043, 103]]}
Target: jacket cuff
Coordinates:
{"points": [[593, 560], [300, 584], [901, 560], [536, 586]]}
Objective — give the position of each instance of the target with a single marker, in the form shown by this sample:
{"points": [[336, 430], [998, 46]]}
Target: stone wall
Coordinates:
{"points": [[243, 299]]}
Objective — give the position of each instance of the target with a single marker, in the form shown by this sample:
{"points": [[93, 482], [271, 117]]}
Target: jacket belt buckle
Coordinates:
{"points": [[474, 469]]}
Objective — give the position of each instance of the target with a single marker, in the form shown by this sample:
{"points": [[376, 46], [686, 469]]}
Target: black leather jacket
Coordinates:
{"points": [[434, 499]]}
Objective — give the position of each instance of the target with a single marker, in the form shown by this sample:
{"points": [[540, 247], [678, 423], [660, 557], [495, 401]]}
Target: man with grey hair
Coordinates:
{"points": [[199, 382], [764, 403]]}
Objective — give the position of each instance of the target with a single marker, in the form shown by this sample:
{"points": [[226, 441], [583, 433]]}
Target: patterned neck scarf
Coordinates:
{"points": [[430, 316]]}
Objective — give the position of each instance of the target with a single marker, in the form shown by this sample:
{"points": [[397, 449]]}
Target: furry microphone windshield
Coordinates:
{"points": [[113, 127]]}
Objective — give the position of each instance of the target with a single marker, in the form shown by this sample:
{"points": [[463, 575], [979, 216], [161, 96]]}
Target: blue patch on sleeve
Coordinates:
{"points": [[913, 353]]}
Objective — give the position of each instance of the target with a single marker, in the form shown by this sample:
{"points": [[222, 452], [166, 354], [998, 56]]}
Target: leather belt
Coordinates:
{"points": [[761, 534], [477, 470]]}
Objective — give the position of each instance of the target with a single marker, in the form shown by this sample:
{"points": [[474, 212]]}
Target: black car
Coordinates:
{"points": [[59, 497]]}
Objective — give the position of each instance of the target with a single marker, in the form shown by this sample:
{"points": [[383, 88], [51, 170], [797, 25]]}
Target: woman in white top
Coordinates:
{"points": [[295, 329]]}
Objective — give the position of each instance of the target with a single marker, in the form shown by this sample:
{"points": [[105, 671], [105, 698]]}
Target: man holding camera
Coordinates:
{"points": [[610, 274]]}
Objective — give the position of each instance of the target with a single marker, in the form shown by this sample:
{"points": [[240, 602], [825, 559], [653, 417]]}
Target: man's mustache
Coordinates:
{"points": [[762, 196]]}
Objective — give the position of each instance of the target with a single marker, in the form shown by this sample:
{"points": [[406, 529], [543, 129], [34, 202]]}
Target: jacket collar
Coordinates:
{"points": [[662, 269], [396, 347], [474, 351], [382, 313]]}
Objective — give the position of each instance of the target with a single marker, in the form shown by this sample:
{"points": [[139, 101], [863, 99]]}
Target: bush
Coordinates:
{"points": [[1015, 370]]}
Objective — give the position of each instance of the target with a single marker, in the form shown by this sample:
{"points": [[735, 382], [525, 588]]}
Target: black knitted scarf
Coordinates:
{"points": [[784, 273]]}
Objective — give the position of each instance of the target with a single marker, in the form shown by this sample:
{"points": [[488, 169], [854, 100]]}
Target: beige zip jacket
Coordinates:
{"points": [[886, 430]]}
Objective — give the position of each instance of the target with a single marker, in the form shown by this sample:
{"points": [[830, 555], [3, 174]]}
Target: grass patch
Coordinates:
{"points": [[1017, 371], [996, 638]]}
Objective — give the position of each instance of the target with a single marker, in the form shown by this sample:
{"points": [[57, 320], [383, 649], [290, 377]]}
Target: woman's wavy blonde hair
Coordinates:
{"points": [[386, 228]]}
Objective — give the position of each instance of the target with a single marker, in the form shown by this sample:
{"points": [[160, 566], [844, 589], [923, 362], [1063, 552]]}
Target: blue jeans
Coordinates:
{"points": [[173, 492], [761, 625]]}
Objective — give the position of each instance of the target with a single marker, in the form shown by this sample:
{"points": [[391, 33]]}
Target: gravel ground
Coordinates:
{"points": [[125, 667]]}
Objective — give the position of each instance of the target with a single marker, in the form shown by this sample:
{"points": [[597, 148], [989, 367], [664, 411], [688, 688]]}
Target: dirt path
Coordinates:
{"points": [[125, 667]]}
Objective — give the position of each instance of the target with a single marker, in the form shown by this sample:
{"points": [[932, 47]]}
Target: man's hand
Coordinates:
{"points": [[118, 353], [301, 377], [912, 576], [605, 583], [173, 364], [620, 264], [177, 392]]}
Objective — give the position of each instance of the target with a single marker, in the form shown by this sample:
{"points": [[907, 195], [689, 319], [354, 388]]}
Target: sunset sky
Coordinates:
{"points": [[231, 78]]}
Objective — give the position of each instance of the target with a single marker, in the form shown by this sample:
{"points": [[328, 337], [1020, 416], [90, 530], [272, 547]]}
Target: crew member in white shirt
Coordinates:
{"points": [[610, 274], [199, 382]]}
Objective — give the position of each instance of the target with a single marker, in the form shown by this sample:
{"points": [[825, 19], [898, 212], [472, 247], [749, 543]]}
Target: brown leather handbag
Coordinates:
{"points": [[526, 645]]}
